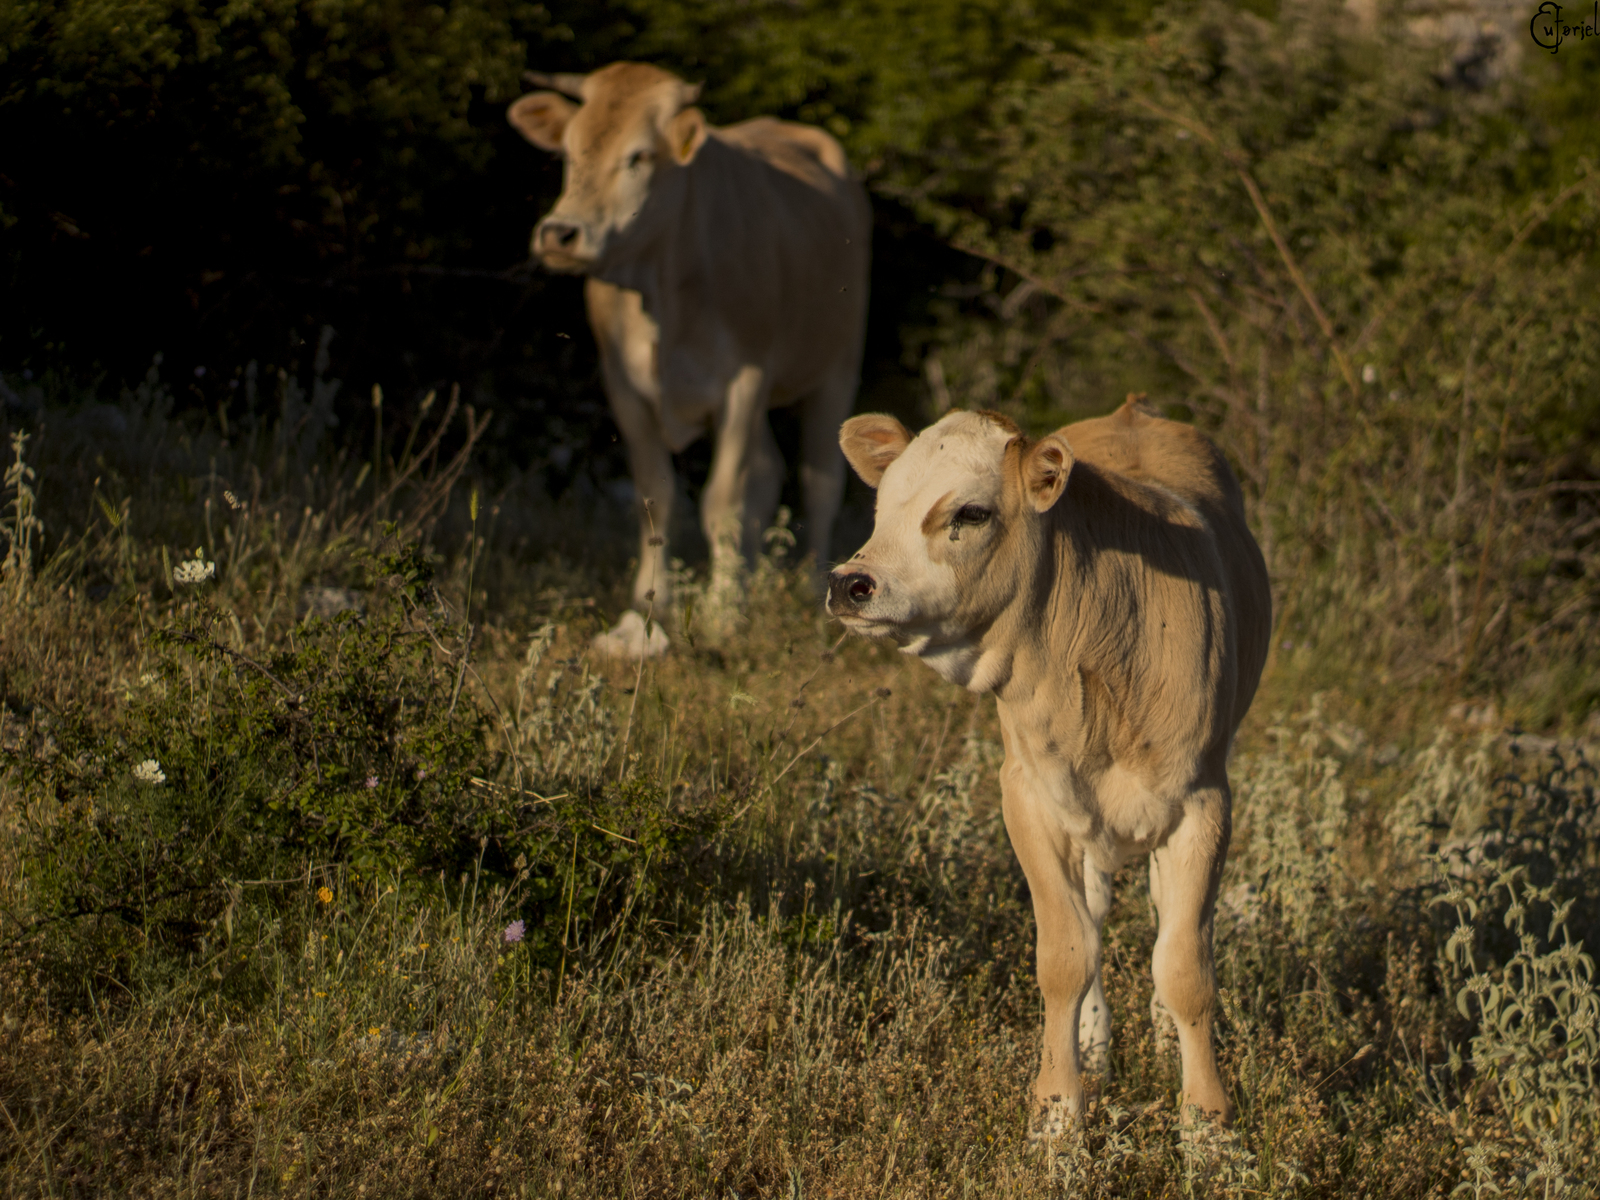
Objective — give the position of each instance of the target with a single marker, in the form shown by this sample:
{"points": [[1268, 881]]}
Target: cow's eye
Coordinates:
{"points": [[637, 159]]}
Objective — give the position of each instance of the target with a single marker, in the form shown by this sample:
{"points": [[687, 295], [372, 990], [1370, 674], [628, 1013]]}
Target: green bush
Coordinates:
{"points": [[355, 752]]}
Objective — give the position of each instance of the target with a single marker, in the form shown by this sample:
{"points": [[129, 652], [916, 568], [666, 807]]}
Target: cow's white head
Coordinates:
{"points": [[623, 148], [958, 515]]}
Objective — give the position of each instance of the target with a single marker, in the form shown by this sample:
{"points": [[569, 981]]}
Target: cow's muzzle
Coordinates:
{"points": [[849, 589], [561, 244]]}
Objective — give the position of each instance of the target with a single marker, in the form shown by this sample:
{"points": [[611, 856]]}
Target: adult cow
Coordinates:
{"points": [[1103, 584], [727, 273]]}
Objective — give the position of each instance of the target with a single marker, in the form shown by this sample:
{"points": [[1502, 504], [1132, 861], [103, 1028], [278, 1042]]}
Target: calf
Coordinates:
{"points": [[1103, 584]]}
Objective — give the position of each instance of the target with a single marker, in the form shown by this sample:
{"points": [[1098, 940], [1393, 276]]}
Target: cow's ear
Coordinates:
{"points": [[542, 118], [1045, 467], [871, 442], [686, 133]]}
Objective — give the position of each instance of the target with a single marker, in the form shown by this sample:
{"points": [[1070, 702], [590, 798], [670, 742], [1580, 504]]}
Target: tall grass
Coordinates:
{"points": [[772, 942]]}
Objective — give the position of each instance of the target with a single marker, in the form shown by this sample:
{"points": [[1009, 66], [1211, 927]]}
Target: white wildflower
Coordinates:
{"points": [[193, 570], [149, 771]]}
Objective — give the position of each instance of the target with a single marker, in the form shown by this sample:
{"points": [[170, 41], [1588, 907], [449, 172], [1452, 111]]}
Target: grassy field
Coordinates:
{"points": [[345, 871]]}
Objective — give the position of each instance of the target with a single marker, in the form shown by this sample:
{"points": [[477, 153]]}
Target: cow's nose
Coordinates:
{"points": [[850, 590], [558, 235]]}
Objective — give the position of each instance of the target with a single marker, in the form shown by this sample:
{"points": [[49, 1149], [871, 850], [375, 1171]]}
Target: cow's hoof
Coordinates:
{"points": [[628, 639]]}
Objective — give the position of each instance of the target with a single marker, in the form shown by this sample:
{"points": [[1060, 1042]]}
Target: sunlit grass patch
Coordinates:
{"points": [[419, 898]]}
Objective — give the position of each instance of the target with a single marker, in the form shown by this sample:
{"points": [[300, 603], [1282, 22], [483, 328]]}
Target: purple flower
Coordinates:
{"points": [[514, 932], [372, 781]]}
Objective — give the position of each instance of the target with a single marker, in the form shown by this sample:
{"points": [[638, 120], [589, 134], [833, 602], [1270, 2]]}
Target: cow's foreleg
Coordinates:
{"points": [[1184, 874], [651, 465], [1068, 953], [822, 465]]}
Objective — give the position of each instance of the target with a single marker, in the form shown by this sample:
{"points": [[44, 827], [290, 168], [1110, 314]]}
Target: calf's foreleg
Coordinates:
{"points": [[1185, 871], [1068, 953]]}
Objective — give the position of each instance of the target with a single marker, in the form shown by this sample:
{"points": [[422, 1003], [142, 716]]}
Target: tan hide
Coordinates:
{"points": [[727, 273], [1103, 584]]}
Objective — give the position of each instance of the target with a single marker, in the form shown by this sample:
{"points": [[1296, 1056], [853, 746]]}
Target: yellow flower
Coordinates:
{"points": [[325, 894]]}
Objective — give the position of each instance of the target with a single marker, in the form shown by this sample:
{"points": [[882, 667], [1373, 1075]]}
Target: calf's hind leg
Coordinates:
{"points": [[1094, 1015], [1184, 873]]}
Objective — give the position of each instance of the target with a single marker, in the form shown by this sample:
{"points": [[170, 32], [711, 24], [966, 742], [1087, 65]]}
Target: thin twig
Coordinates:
{"points": [[798, 756], [644, 650], [794, 708], [572, 871], [195, 640], [1360, 1054], [1522, 235], [1474, 630], [1237, 162]]}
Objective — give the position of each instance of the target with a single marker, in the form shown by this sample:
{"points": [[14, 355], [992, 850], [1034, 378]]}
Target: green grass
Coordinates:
{"points": [[774, 941]]}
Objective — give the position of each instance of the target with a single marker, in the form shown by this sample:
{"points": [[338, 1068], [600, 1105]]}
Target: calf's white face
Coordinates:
{"points": [[620, 148], [957, 514]]}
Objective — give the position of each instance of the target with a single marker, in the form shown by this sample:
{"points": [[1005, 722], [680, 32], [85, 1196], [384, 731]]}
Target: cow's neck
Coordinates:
{"points": [[640, 272], [704, 226]]}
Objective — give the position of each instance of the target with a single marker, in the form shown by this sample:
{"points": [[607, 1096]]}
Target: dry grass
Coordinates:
{"points": [[838, 1003]]}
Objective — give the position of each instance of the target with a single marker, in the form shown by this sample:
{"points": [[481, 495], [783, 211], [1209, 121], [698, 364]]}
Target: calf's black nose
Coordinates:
{"points": [[850, 590]]}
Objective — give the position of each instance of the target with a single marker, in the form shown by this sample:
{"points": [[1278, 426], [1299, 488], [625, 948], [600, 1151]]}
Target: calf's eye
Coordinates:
{"points": [[967, 514], [637, 159]]}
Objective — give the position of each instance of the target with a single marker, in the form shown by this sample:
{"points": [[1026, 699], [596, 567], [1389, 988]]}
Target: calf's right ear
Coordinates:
{"points": [[542, 118], [871, 442]]}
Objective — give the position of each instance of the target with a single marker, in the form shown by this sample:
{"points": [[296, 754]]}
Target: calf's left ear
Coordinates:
{"points": [[1045, 467]]}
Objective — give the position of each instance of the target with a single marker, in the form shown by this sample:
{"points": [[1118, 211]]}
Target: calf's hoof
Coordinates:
{"points": [[629, 638], [1052, 1117]]}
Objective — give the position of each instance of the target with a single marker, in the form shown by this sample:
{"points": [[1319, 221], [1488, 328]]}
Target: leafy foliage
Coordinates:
{"points": [[1300, 237], [353, 749]]}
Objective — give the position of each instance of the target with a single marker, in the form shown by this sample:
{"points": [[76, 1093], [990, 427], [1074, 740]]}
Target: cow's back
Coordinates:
{"points": [[1149, 449], [804, 151], [773, 250]]}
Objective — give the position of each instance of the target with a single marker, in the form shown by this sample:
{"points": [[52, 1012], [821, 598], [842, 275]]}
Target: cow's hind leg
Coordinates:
{"points": [[1068, 956], [822, 464], [1184, 874], [764, 488]]}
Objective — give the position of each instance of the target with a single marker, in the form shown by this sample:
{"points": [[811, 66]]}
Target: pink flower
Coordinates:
{"points": [[514, 932], [372, 781]]}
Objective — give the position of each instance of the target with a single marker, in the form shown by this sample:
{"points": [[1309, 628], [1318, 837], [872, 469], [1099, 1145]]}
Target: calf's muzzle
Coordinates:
{"points": [[849, 590]]}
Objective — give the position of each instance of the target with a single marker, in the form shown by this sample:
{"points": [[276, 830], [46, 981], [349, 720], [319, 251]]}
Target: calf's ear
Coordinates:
{"points": [[686, 133], [542, 118], [1045, 467], [871, 442]]}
